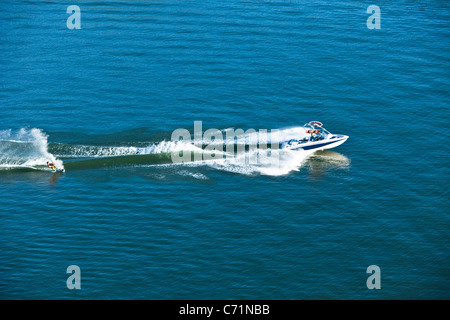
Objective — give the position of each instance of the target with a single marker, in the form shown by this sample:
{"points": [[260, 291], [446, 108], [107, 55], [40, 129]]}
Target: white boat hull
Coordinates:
{"points": [[324, 144]]}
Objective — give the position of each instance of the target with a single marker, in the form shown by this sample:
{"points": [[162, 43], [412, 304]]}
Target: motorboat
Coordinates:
{"points": [[318, 138]]}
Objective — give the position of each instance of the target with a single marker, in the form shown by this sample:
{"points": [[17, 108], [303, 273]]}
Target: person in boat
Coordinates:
{"points": [[51, 165], [312, 132]]}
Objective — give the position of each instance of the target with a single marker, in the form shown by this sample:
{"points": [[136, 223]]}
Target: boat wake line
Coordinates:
{"points": [[29, 149]]}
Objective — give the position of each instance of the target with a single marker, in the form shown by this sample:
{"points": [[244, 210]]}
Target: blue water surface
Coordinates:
{"points": [[140, 227]]}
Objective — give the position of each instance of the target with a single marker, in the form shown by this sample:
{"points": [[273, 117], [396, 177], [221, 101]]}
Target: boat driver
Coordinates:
{"points": [[312, 132]]}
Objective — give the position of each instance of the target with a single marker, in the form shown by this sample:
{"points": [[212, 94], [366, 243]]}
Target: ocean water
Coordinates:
{"points": [[103, 101]]}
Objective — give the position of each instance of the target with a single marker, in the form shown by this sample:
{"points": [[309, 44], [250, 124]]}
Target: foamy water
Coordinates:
{"points": [[29, 148], [25, 148]]}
